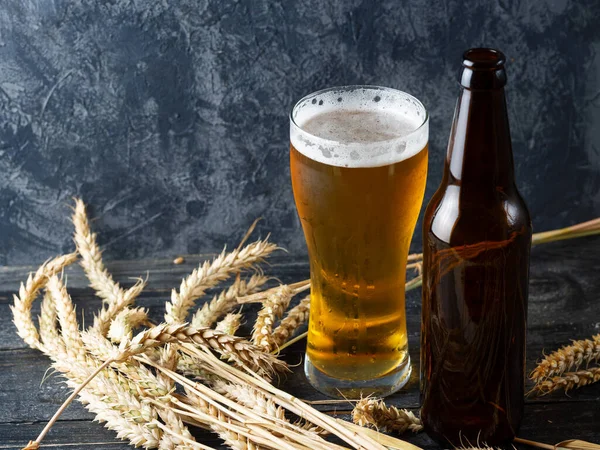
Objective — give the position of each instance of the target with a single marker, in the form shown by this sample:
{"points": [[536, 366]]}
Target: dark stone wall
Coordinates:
{"points": [[170, 118]]}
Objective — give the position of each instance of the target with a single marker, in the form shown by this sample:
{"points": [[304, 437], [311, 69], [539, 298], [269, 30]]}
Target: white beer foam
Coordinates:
{"points": [[362, 126]]}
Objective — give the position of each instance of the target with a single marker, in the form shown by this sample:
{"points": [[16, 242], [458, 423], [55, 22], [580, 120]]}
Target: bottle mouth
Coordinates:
{"points": [[483, 59]]}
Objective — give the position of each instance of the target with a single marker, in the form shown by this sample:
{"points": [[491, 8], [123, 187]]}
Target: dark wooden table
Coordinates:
{"points": [[564, 304]]}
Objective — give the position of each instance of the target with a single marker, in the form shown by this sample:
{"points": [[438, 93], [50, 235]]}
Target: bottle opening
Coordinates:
{"points": [[483, 69], [483, 58]]}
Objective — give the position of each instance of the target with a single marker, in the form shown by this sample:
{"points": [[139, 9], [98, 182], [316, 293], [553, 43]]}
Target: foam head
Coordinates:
{"points": [[359, 126]]}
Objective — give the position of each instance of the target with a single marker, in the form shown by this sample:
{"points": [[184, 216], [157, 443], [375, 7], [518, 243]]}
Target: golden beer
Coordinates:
{"points": [[358, 165]]}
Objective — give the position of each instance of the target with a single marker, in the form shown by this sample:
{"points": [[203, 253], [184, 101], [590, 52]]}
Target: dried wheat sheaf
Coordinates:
{"points": [[127, 371]]}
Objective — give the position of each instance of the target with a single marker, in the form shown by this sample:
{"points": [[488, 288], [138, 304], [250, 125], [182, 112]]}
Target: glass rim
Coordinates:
{"points": [[349, 88]]}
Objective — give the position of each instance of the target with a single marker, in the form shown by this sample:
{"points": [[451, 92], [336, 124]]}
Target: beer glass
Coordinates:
{"points": [[358, 162]]}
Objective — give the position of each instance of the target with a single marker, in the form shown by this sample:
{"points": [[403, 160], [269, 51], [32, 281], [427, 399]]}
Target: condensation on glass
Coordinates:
{"points": [[358, 165]]}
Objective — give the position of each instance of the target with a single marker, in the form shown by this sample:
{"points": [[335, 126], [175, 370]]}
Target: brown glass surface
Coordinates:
{"points": [[477, 236]]}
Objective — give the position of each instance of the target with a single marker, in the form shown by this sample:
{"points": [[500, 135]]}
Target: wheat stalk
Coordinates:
{"points": [[109, 395], [224, 302], [295, 317], [144, 381], [116, 300], [273, 308], [374, 413], [230, 323], [233, 433], [227, 429], [567, 358], [191, 367], [249, 397], [100, 279], [255, 400], [269, 427], [287, 401], [207, 275], [28, 292], [180, 436], [75, 344], [74, 363], [569, 380]]}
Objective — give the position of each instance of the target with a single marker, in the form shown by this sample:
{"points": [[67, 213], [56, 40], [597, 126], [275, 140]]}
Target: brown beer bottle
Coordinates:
{"points": [[476, 242]]}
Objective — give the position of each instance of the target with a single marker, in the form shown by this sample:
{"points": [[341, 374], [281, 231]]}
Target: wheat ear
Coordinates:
{"points": [[122, 326], [74, 344], [67, 316], [100, 279], [109, 395], [224, 302], [569, 380], [230, 323], [295, 317], [273, 308], [234, 348], [47, 320], [374, 413], [568, 358], [208, 274], [28, 292], [72, 361], [145, 382]]}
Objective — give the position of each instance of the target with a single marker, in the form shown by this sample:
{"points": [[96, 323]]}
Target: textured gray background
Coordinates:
{"points": [[170, 117]]}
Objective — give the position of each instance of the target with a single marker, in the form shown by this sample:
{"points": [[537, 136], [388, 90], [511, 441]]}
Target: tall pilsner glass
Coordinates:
{"points": [[358, 163]]}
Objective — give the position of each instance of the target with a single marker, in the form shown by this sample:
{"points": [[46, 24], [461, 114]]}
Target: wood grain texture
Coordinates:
{"points": [[564, 304]]}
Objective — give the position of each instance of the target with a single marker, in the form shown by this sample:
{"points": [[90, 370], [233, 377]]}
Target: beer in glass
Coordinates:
{"points": [[358, 165]]}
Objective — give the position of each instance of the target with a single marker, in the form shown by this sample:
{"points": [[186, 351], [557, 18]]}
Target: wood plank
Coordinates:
{"points": [[163, 275], [543, 423], [23, 396], [76, 434], [563, 305]]}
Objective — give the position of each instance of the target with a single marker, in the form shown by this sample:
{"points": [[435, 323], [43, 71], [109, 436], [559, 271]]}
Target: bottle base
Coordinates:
{"points": [[468, 438], [355, 389]]}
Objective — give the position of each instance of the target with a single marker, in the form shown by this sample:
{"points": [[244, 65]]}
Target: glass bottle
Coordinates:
{"points": [[476, 243]]}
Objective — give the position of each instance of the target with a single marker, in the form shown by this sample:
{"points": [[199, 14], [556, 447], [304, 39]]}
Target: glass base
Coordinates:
{"points": [[356, 389]]}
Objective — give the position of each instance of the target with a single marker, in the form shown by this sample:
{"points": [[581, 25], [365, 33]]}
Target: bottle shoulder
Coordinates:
{"points": [[458, 214]]}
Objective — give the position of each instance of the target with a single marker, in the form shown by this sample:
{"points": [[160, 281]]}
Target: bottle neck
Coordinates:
{"points": [[479, 149]]}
